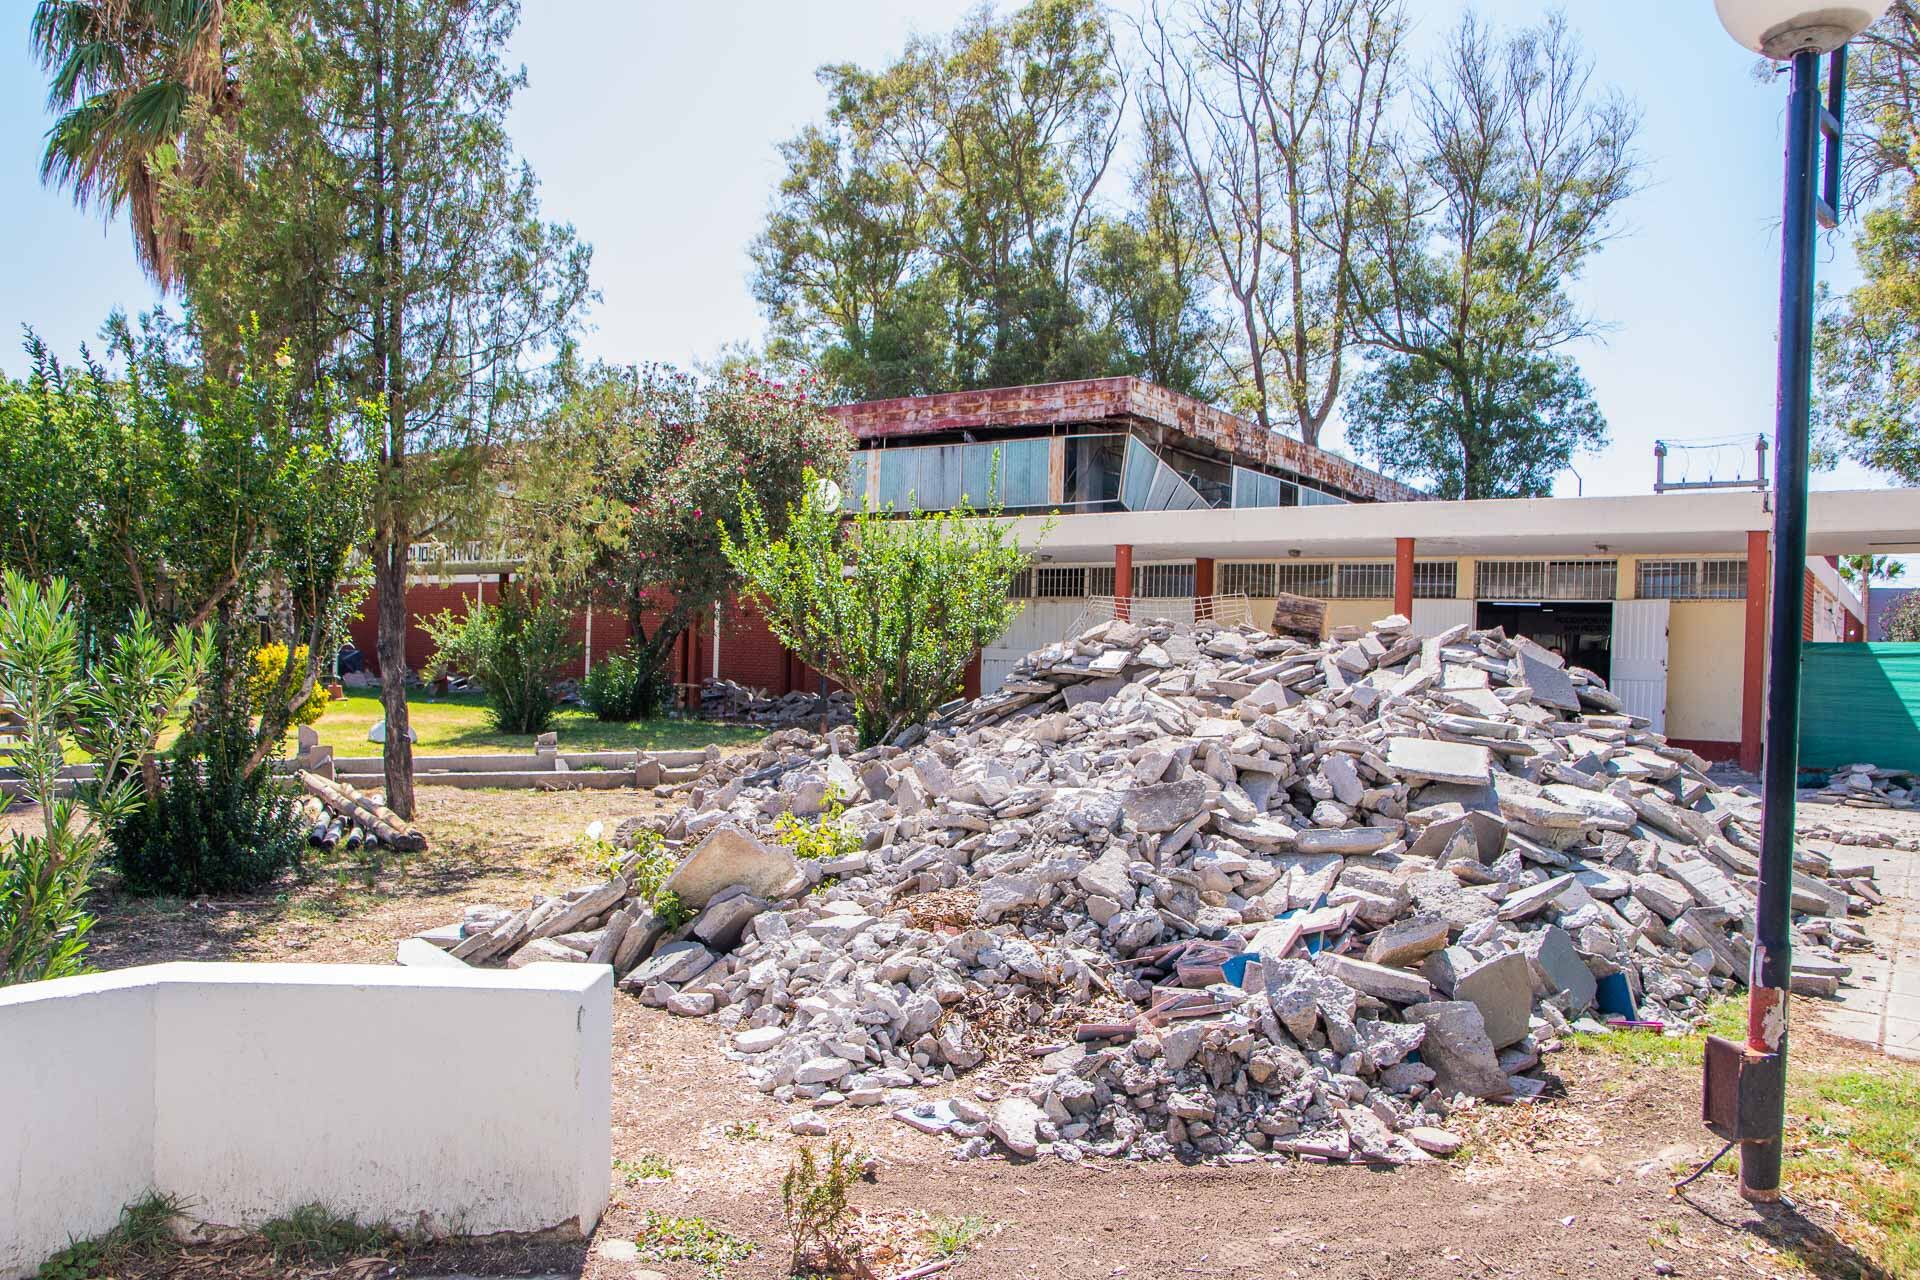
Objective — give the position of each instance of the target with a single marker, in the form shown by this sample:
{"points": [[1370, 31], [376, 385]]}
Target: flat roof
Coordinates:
{"points": [[1091, 401], [1849, 522]]}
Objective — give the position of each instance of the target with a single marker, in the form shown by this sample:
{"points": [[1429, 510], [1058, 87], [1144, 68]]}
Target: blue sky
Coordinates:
{"points": [[653, 129]]}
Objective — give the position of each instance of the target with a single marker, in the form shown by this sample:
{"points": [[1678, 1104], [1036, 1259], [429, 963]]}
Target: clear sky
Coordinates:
{"points": [[653, 129]]}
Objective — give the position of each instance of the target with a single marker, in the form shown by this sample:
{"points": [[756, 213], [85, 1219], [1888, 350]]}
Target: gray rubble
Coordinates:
{"points": [[1204, 892], [731, 700]]}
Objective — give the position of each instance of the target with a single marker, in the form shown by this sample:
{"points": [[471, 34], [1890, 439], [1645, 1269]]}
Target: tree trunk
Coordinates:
{"points": [[390, 581]]}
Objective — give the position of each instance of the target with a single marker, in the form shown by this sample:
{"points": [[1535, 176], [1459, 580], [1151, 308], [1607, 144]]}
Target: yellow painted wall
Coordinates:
{"points": [[1355, 613], [1706, 645]]}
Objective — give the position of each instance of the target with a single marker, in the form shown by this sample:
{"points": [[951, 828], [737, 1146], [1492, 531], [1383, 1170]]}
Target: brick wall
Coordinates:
{"points": [[748, 651]]}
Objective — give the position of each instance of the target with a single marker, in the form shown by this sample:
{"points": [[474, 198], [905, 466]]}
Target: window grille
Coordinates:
{"points": [[1546, 579], [1435, 579], [1058, 582], [1364, 582], [1100, 581], [1020, 586], [1305, 579], [1256, 580], [1691, 579], [1162, 581]]}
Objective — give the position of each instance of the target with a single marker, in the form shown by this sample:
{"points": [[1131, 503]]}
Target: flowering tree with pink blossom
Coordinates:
{"points": [[642, 469]]}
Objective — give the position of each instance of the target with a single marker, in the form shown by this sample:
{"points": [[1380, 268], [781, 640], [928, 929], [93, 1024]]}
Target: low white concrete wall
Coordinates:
{"points": [[455, 1102]]}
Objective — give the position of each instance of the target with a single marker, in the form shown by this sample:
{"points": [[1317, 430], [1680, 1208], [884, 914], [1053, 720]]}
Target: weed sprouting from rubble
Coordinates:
{"points": [[1206, 893]]}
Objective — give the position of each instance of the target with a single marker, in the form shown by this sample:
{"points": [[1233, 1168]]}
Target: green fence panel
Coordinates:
{"points": [[1860, 702]]}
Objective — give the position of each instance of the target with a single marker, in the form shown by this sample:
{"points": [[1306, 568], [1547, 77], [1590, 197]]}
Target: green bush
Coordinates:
{"points": [[622, 688], [213, 828], [891, 607], [113, 713], [513, 650]]}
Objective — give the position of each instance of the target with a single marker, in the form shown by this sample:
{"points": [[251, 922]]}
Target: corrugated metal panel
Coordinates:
{"points": [[1039, 624], [1431, 617], [1860, 702], [1639, 658]]}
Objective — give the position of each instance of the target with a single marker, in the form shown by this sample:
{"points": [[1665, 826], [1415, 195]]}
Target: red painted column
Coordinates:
{"points": [[1203, 588], [690, 656], [970, 679], [1403, 577], [1123, 580], [1753, 682]]}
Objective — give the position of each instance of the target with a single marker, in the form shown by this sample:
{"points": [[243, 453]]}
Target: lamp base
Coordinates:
{"points": [[1822, 31]]}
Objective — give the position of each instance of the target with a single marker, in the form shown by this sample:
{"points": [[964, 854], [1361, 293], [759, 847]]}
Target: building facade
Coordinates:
{"points": [[1135, 500]]}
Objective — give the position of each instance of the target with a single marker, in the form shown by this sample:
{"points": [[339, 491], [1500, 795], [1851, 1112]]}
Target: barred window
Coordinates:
{"points": [[1020, 586], [1435, 579], [1364, 582], [1256, 580], [1546, 579], [1305, 579], [1691, 579], [1162, 581], [1100, 580], [1059, 582]]}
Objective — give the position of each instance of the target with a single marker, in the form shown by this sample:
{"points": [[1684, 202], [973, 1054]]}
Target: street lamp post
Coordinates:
{"points": [[1746, 1086]]}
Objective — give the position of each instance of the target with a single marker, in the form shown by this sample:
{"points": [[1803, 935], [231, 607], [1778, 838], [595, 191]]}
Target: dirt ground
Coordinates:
{"points": [[1579, 1185]]}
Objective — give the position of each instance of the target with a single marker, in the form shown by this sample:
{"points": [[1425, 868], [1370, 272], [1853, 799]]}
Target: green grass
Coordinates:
{"points": [[1727, 1019], [145, 1230], [314, 1233], [459, 724], [952, 1237], [1852, 1135], [695, 1240], [647, 1167]]}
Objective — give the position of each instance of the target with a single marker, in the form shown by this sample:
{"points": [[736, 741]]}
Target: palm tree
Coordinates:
{"points": [[1860, 571], [124, 77]]}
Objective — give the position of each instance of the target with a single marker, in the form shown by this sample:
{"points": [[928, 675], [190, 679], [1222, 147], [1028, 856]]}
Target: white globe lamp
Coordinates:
{"points": [[1779, 29]]}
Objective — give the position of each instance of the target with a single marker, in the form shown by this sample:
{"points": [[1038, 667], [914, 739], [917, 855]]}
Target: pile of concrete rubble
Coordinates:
{"points": [[730, 700], [1865, 786], [1208, 893]]}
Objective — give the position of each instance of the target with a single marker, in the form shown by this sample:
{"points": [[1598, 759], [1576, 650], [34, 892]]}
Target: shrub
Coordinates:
{"points": [[269, 667], [114, 713], [514, 650], [649, 864], [891, 608], [213, 827], [823, 838], [815, 1196], [621, 687]]}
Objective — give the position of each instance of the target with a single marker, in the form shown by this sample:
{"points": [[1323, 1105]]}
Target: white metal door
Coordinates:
{"points": [[1039, 624], [1431, 617], [1639, 658]]}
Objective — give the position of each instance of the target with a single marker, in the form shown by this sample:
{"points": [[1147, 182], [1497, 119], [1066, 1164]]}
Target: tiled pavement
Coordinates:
{"points": [[1880, 1004]]}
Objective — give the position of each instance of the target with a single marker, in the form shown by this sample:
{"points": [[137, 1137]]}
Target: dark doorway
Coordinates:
{"points": [[1579, 631]]}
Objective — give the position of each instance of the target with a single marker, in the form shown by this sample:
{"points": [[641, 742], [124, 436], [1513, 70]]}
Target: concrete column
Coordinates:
{"points": [[1753, 679], [970, 678], [1403, 577], [1123, 580], [1203, 577]]}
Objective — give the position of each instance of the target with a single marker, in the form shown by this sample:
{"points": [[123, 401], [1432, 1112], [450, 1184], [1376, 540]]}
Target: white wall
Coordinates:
{"points": [[454, 1101]]}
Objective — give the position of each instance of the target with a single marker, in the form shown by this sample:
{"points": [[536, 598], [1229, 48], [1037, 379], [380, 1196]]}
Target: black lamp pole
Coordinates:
{"points": [[1811, 198]]}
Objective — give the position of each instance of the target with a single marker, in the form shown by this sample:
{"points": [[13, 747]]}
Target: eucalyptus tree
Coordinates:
{"points": [[1508, 183], [1281, 110]]}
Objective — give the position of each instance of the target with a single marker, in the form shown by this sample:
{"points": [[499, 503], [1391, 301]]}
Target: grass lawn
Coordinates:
{"points": [[1852, 1135], [459, 724]]}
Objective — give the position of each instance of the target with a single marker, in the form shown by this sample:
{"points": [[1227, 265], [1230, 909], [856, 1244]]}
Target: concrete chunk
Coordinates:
{"points": [[1436, 761]]}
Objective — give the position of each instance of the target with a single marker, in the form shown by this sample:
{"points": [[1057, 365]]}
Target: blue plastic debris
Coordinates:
{"points": [[1613, 995]]}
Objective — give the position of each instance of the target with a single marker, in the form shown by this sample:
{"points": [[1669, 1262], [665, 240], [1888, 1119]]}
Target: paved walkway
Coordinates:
{"points": [[1880, 1004]]}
